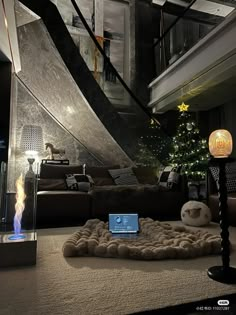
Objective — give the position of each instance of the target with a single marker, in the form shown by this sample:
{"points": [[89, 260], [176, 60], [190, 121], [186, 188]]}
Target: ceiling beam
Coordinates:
{"points": [[205, 6], [159, 2], [193, 15], [202, 11]]}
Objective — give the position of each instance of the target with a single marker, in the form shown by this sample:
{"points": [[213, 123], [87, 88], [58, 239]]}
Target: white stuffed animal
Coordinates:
{"points": [[195, 213]]}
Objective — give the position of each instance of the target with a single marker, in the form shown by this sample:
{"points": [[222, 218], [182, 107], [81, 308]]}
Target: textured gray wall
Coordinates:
{"points": [[44, 72], [52, 93], [27, 110]]}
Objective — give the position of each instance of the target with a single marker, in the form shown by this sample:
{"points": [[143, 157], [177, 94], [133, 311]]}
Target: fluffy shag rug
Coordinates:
{"points": [[96, 285], [155, 241]]}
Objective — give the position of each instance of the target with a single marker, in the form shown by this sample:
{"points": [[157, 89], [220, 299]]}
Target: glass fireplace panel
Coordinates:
{"points": [[21, 203], [18, 238]]}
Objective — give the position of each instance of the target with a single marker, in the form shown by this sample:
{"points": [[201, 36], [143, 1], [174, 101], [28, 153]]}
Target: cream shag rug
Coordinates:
{"points": [[101, 286], [155, 241]]}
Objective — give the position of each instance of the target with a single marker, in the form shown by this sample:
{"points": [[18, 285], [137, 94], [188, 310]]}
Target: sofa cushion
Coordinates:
{"points": [[169, 177], [124, 176], [100, 174], [147, 200], [146, 175], [59, 171], [51, 184], [67, 203], [79, 182], [123, 197], [103, 181]]}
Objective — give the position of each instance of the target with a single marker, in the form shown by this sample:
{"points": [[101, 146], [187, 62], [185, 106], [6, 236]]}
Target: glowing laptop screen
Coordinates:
{"points": [[123, 223]]}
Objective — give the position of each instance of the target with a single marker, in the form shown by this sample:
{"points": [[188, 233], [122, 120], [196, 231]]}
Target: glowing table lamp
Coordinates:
{"points": [[220, 143], [31, 144], [220, 146]]}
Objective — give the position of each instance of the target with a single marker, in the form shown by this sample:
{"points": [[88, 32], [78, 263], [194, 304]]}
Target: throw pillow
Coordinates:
{"points": [[215, 174], [231, 177], [230, 170], [100, 174], [146, 174], [169, 177], [124, 176], [79, 182]]}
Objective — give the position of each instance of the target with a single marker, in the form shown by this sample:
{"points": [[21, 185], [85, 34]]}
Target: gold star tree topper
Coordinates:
{"points": [[183, 107]]}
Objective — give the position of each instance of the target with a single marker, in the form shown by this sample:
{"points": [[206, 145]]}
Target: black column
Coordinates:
{"points": [[5, 101], [224, 273], [147, 28], [5, 98]]}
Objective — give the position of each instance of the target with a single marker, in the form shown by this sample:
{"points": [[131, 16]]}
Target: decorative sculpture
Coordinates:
{"points": [[53, 151], [195, 213]]}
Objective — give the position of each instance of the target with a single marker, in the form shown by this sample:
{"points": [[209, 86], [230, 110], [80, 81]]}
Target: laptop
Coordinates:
{"points": [[124, 225]]}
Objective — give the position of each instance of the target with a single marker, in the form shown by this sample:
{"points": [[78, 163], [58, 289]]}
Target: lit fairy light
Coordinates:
{"points": [[19, 208]]}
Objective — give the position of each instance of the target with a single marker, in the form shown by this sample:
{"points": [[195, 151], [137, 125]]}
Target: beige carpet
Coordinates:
{"points": [[91, 285]]}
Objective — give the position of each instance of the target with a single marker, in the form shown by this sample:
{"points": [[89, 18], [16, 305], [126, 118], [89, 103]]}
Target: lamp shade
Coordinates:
{"points": [[32, 139], [220, 143]]}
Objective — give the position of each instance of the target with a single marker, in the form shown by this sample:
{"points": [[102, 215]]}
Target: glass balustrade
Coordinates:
{"points": [[179, 34]]}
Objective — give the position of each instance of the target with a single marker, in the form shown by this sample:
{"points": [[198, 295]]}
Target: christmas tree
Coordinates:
{"points": [[153, 146], [189, 150]]}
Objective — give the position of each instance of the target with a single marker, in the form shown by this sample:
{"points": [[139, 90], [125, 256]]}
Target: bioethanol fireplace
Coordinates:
{"points": [[18, 238], [19, 208]]}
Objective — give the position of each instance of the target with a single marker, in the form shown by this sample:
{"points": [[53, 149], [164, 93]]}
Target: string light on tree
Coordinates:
{"points": [[189, 150], [189, 126], [153, 146]]}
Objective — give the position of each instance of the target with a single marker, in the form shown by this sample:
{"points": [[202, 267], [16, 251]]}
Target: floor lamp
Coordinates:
{"points": [[220, 146], [31, 144]]}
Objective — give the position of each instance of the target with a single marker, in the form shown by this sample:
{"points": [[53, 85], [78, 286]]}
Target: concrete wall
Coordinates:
{"points": [[45, 94], [28, 111], [49, 80]]}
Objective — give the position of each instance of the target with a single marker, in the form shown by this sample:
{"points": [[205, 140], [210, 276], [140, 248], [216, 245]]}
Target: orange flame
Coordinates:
{"points": [[20, 204], [20, 195]]}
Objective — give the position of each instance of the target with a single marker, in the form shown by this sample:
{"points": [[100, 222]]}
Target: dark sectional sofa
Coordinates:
{"points": [[55, 202]]}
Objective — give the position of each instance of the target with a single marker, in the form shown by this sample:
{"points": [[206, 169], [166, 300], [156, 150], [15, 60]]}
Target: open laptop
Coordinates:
{"points": [[124, 225]]}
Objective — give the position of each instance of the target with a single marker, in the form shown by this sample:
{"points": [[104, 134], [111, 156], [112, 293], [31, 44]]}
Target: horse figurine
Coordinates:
{"points": [[53, 151]]}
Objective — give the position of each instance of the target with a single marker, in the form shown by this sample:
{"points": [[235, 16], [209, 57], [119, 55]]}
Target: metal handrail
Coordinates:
{"points": [[173, 24]]}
